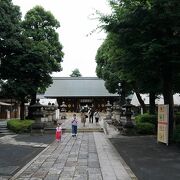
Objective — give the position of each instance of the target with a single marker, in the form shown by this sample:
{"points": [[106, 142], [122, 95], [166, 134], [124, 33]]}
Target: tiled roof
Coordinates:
{"points": [[77, 87]]}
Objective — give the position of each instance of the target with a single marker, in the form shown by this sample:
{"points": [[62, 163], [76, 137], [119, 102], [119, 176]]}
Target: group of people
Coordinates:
{"points": [[74, 122], [93, 114], [90, 114]]}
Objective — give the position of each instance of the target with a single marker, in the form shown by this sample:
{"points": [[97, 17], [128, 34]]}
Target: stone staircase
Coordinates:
{"points": [[68, 130], [66, 126], [3, 128]]}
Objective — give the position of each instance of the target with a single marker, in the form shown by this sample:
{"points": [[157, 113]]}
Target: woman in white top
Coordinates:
{"points": [[97, 116]]}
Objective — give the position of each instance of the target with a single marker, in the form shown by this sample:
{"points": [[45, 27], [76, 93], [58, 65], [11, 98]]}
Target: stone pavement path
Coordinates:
{"points": [[87, 157], [11, 139]]}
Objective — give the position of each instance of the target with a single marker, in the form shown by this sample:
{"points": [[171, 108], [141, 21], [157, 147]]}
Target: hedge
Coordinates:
{"points": [[19, 126], [146, 118], [176, 134], [145, 128]]}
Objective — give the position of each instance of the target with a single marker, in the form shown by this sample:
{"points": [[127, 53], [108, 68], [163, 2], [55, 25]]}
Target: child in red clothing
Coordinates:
{"points": [[58, 132]]}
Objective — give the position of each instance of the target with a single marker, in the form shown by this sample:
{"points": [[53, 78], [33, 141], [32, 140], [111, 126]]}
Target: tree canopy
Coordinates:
{"points": [[10, 35], [148, 37], [29, 68], [75, 73]]}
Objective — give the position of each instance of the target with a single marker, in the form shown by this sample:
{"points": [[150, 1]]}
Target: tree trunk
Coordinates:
{"points": [[22, 109], [152, 105], [123, 98], [30, 110], [143, 106], [33, 99], [168, 98]]}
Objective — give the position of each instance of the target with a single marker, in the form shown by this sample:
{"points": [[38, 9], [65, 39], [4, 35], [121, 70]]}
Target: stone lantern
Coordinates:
{"points": [[63, 110], [38, 113], [117, 112], [108, 110], [108, 113], [128, 114], [50, 111], [113, 111]]}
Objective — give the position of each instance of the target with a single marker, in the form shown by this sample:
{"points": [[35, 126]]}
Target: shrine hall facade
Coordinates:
{"points": [[80, 91]]}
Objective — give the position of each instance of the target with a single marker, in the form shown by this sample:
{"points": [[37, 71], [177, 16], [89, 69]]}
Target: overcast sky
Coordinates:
{"points": [[76, 22]]}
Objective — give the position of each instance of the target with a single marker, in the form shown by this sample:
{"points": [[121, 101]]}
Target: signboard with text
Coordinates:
{"points": [[163, 123]]}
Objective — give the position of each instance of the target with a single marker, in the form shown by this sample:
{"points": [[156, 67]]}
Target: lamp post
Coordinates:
{"points": [[119, 92], [118, 105]]}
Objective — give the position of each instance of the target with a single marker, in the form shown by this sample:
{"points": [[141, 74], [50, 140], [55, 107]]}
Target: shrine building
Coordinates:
{"points": [[80, 91]]}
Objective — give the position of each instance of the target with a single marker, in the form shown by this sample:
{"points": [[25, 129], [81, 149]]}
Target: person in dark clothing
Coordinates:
{"points": [[91, 114]]}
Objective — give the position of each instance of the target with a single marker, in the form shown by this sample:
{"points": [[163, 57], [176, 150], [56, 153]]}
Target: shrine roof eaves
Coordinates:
{"points": [[78, 87]]}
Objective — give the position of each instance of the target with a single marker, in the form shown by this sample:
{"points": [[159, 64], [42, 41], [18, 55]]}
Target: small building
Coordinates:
{"points": [[9, 109], [80, 91]]}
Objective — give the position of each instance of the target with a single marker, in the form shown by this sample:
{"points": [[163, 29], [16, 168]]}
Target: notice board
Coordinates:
{"points": [[163, 124]]}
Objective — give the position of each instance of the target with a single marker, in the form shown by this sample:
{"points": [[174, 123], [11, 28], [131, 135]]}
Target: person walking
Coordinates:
{"points": [[83, 118], [58, 132], [97, 116], [74, 123], [91, 113]]}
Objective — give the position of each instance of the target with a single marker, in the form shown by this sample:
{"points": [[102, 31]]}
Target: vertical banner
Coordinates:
{"points": [[163, 123]]}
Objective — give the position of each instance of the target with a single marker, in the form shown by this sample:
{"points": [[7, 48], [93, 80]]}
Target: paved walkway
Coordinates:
{"points": [[90, 156]]}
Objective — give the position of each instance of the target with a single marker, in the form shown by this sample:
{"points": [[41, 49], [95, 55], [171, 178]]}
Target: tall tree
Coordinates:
{"points": [[41, 54], [10, 34], [46, 52], [75, 73], [149, 35]]}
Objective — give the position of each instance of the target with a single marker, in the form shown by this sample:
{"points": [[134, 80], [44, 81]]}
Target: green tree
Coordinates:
{"points": [[149, 36], [106, 57], [46, 52], [10, 34], [41, 55], [75, 73]]}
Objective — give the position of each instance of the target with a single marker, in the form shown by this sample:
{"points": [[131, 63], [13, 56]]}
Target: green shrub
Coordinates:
{"points": [[176, 135], [177, 113], [19, 126], [177, 118], [145, 128], [146, 118]]}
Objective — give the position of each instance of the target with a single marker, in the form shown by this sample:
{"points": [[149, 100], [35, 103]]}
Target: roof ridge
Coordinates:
{"points": [[76, 78]]}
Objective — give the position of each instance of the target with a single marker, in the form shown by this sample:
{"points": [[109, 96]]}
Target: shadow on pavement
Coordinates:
{"points": [[147, 159], [13, 155]]}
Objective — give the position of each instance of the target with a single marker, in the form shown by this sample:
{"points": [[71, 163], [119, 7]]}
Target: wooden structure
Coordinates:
{"points": [[80, 91]]}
